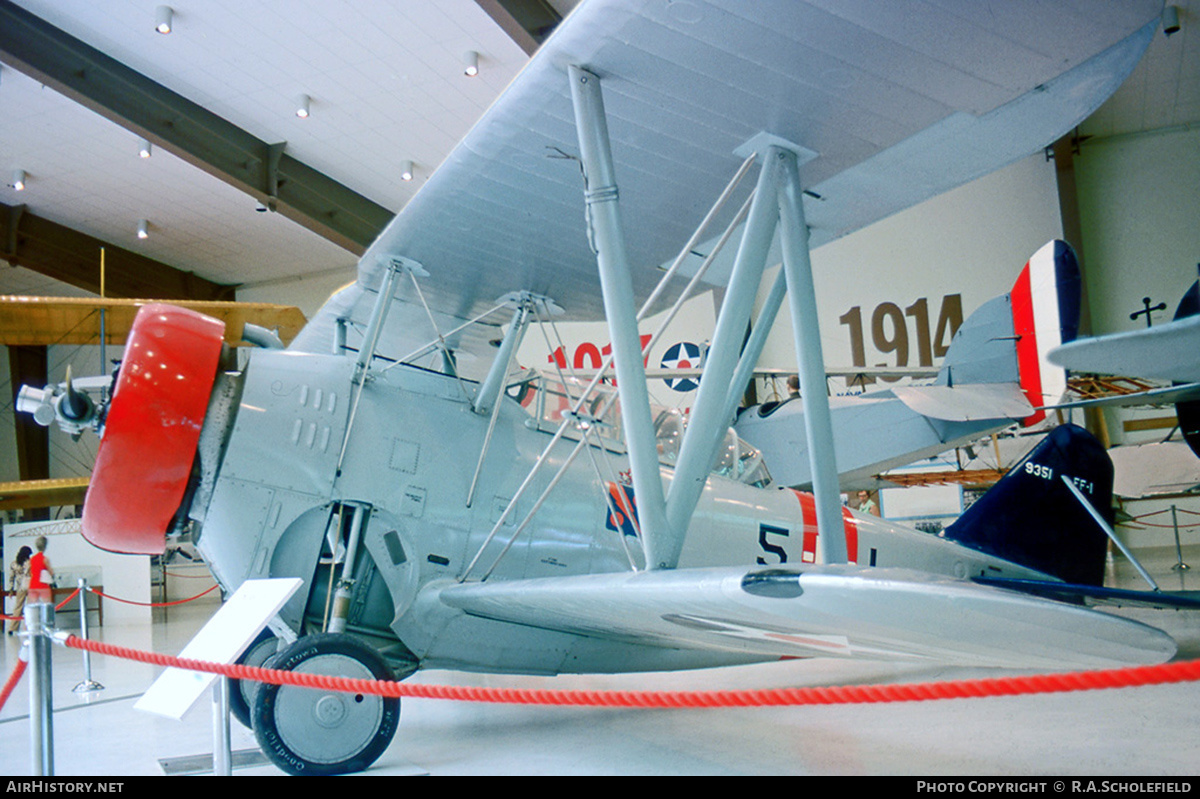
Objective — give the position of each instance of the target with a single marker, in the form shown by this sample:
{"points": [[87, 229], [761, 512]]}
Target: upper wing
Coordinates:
{"points": [[1164, 352], [820, 611], [898, 101]]}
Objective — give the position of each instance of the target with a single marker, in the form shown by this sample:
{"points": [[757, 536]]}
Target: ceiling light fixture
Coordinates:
{"points": [[1170, 20], [144, 149], [406, 170], [471, 64], [162, 19], [143, 230], [302, 106], [18, 179]]}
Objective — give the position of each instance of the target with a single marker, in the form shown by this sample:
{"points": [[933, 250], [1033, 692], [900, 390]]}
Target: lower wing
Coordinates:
{"points": [[843, 611]]}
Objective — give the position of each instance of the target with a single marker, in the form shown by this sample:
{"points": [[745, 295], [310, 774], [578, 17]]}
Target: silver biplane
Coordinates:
{"points": [[447, 509]]}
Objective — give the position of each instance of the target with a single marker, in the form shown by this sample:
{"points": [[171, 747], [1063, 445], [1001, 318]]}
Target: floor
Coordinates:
{"points": [[1140, 731]]}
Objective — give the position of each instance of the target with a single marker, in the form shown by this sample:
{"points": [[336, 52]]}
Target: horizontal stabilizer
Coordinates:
{"points": [[845, 611], [1093, 594], [966, 403]]}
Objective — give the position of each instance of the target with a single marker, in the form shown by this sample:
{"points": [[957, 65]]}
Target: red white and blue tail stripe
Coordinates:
{"points": [[1045, 309]]}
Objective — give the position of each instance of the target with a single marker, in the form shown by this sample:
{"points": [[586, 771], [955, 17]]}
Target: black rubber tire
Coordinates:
{"points": [[310, 731], [241, 692]]}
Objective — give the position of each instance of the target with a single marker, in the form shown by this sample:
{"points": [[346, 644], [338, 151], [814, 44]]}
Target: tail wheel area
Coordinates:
{"points": [[313, 731]]}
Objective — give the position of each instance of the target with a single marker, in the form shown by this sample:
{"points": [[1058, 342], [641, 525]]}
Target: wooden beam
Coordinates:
{"points": [[64, 254], [70, 320], [527, 22], [968, 478], [29, 365], [176, 124], [35, 494], [1157, 423]]}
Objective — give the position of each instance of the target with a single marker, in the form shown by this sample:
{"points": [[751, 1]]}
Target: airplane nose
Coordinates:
{"points": [[152, 428]]}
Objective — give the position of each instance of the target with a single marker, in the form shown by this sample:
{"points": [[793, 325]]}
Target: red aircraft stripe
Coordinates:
{"points": [[808, 521], [1027, 351]]}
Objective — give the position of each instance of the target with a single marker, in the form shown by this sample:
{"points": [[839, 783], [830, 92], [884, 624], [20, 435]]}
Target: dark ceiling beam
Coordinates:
{"points": [[527, 22], [64, 254], [29, 365], [180, 126]]}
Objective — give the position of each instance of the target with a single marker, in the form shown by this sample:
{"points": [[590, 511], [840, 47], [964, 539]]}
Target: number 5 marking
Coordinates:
{"points": [[763, 531]]}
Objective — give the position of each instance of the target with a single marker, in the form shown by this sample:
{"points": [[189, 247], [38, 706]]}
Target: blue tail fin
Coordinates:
{"points": [[1188, 413], [1030, 517]]}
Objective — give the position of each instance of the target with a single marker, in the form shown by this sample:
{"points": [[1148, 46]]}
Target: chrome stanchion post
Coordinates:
{"points": [[88, 683], [222, 744], [1179, 565], [39, 621]]}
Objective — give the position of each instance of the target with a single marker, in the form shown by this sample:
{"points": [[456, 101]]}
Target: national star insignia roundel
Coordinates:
{"points": [[684, 355]]}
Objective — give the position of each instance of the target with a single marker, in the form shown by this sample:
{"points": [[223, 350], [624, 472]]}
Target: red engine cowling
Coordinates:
{"points": [[152, 429]]}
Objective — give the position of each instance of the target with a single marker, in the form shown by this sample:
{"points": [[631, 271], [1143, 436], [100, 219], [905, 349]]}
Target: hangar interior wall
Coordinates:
{"points": [[1139, 199]]}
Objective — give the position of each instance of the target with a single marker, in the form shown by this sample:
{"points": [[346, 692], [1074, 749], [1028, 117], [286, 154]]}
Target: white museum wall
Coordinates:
{"points": [[1140, 211], [307, 292], [124, 577], [972, 241], [1139, 201]]}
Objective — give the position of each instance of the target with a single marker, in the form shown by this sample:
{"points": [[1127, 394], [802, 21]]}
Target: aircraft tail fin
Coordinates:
{"points": [[1045, 307], [1006, 339], [1031, 517]]}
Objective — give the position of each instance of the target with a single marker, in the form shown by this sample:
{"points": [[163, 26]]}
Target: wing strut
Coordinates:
{"points": [[776, 200], [604, 219], [487, 398], [665, 518], [1112, 535], [709, 418], [802, 299]]}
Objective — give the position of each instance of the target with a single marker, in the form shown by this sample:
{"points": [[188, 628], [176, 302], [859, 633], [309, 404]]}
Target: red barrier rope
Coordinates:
{"points": [[59, 606], [70, 596], [1139, 520], [153, 604], [1165, 510], [13, 679], [851, 694]]}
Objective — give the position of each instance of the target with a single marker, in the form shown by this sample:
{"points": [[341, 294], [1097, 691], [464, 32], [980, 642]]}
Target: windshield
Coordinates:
{"points": [[737, 459]]}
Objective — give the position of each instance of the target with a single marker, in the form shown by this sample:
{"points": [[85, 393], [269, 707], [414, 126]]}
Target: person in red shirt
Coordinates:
{"points": [[41, 576]]}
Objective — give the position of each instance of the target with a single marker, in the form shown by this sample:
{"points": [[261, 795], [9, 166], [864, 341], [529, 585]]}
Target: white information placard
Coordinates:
{"points": [[221, 640]]}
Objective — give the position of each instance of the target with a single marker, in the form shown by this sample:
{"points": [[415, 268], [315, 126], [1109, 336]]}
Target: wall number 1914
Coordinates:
{"points": [[890, 331]]}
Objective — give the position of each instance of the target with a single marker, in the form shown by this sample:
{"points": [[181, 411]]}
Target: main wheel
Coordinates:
{"points": [[241, 692], [314, 731]]}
